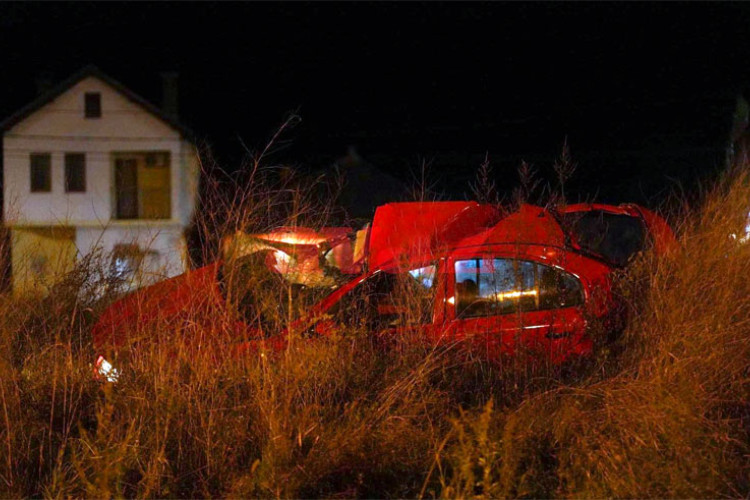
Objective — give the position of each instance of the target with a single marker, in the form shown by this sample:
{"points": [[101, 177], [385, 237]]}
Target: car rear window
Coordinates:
{"points": [[615, 237], [488, 287]]}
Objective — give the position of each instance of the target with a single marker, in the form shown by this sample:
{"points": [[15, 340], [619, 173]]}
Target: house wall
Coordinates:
{"points": [[42, 254], [60, 127], [165, 251]]}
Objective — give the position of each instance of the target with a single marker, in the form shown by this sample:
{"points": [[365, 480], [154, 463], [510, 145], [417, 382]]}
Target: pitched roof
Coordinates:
{"points": [[86, 72]]}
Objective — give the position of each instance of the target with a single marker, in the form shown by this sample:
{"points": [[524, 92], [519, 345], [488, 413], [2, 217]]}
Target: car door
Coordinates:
{"points": [[515, 306]]}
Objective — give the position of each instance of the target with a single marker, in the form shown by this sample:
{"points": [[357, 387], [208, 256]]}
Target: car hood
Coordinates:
{"points": [[193, 291]]}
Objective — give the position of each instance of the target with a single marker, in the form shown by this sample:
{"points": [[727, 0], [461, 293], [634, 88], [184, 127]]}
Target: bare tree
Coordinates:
{"points": [[564, 168], [484, 187]]}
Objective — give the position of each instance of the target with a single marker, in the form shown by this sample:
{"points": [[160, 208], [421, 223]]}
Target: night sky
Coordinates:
{"points": [[643, 93]]}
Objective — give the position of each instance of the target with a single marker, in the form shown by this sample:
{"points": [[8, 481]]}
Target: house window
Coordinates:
{"points": [[75, 173], [142, 186], [92, 105], [41, 173], [126, 261]]}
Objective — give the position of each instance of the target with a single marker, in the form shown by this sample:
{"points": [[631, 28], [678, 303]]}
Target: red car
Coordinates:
{"points": [[530, 281]]}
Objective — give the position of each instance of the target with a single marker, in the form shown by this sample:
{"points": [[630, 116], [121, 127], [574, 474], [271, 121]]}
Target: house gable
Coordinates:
{"points": [[64, 117], [56, 127], [65, 103]]}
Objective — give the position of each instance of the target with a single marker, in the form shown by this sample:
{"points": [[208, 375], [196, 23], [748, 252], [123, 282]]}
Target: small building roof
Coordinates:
{"points": [[89, 71]]}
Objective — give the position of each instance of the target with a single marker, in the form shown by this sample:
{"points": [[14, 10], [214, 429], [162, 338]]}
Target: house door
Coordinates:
{"points": [[126, 188], [142, 186]]}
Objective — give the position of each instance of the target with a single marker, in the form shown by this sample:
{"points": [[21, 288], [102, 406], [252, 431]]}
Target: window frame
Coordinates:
{"points": [[67, 167], [47, 188], [92, 105]]}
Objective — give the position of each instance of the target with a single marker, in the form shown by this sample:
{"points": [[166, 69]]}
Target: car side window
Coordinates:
{"points": [[489, 287], [386, 300]]}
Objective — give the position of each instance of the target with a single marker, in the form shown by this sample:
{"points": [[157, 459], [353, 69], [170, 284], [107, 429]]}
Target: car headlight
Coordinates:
{"points": [[103, 370]]}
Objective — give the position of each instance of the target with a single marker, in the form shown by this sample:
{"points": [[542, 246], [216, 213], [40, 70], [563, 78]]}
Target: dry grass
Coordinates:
{"points": [[661, 413]]}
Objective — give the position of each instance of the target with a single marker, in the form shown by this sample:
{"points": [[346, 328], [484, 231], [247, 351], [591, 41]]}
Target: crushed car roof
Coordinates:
{"points": [[530, 225], [419, 230]]}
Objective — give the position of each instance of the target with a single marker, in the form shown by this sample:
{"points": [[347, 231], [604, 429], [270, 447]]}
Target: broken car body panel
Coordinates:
{"points": [[302, 254]]}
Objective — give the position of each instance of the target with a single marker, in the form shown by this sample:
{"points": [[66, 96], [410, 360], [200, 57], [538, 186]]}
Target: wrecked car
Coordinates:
{"points": [[455, 272]]}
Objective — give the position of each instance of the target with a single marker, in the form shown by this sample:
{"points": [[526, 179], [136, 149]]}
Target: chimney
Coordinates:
{"points": [[169, 101]]}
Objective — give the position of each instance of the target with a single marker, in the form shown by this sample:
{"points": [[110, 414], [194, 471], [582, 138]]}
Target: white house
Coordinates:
{"points": [[90, 164]]}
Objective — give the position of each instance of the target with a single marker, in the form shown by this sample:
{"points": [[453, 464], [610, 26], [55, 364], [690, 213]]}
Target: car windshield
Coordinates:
{"points": [[616, 237], [262, 296]]}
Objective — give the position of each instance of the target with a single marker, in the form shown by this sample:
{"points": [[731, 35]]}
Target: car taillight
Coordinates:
{"points": [[103, 370]]}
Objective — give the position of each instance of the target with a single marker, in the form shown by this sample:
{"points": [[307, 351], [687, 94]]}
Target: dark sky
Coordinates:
{"points": [[644, 93]]}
